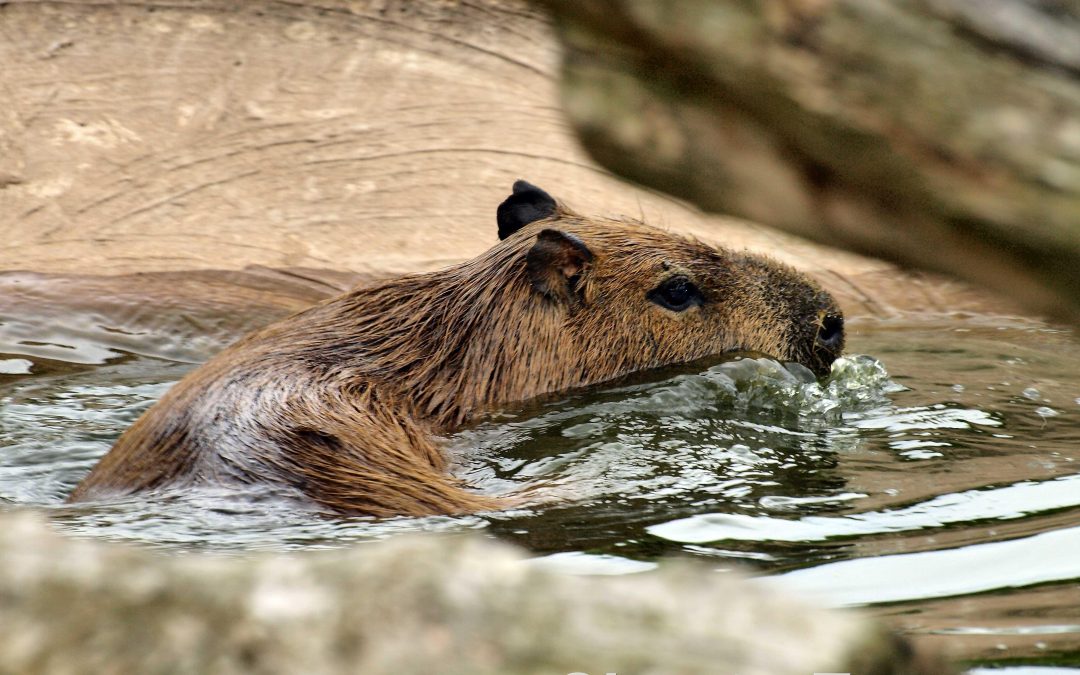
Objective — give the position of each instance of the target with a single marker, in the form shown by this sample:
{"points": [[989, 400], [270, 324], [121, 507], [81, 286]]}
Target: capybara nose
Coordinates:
{"points": [[830, 335]]}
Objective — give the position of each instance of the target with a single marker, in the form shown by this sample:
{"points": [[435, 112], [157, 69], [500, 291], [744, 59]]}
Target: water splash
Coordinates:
{"points": [[856, 382], [718, 435]]}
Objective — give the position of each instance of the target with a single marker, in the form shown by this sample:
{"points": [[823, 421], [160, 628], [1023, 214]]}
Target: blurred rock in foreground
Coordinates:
{"points": [[432, 606], [941, 134]]}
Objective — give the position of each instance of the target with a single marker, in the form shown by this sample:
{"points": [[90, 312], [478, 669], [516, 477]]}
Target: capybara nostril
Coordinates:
{"points": [[831, 332]]}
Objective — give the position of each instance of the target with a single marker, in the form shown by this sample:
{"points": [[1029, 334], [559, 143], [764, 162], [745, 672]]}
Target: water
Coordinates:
{"points": [[935, 481]]}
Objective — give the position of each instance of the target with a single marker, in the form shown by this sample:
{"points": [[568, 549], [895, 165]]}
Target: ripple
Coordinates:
{"points": [[1005, 503], [1043, 558]]}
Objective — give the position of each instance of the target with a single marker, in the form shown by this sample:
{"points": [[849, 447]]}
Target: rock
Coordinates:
{"points": [[936, 134], [12, 158], [453, 605], [374, 137]]}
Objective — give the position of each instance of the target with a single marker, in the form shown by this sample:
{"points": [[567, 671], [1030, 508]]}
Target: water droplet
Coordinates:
{"points": [[1032, 393]]}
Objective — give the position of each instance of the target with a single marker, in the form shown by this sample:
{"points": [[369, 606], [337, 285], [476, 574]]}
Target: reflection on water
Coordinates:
{"points": [[1028, 561], [944, 493]]}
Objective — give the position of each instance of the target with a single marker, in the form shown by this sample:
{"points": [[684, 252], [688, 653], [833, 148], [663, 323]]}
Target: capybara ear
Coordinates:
{"points": [[527, 204], [556, 262]]}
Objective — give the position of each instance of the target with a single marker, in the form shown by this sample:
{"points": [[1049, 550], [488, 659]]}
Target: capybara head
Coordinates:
{"points": [[640, 297]]}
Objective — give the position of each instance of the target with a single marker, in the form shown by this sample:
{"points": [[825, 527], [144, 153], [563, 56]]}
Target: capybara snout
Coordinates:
{"points": [[341, 403], [809, 324]]}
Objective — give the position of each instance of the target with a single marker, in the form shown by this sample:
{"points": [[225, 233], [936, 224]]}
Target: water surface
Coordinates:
{"points": [[932, 477]]}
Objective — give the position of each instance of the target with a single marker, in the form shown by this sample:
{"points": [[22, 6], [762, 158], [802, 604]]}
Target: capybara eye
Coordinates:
{"points": [[676, 293]]}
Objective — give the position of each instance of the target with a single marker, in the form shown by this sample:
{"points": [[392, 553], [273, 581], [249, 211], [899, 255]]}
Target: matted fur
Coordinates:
{"points": [[342, 401]]}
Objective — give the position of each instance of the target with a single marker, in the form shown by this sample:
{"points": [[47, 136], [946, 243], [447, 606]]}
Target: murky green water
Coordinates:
{"points": [[936, 481]]}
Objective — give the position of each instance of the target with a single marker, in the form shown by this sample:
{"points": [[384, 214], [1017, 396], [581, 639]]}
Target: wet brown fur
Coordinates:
{"points": [[342, 401]]}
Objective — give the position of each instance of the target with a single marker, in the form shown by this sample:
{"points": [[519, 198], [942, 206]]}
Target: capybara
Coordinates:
{"points": [[340, 403]]}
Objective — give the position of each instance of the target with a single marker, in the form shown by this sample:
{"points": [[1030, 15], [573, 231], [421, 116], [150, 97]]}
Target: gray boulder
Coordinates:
{"points": [[454, 605]]}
